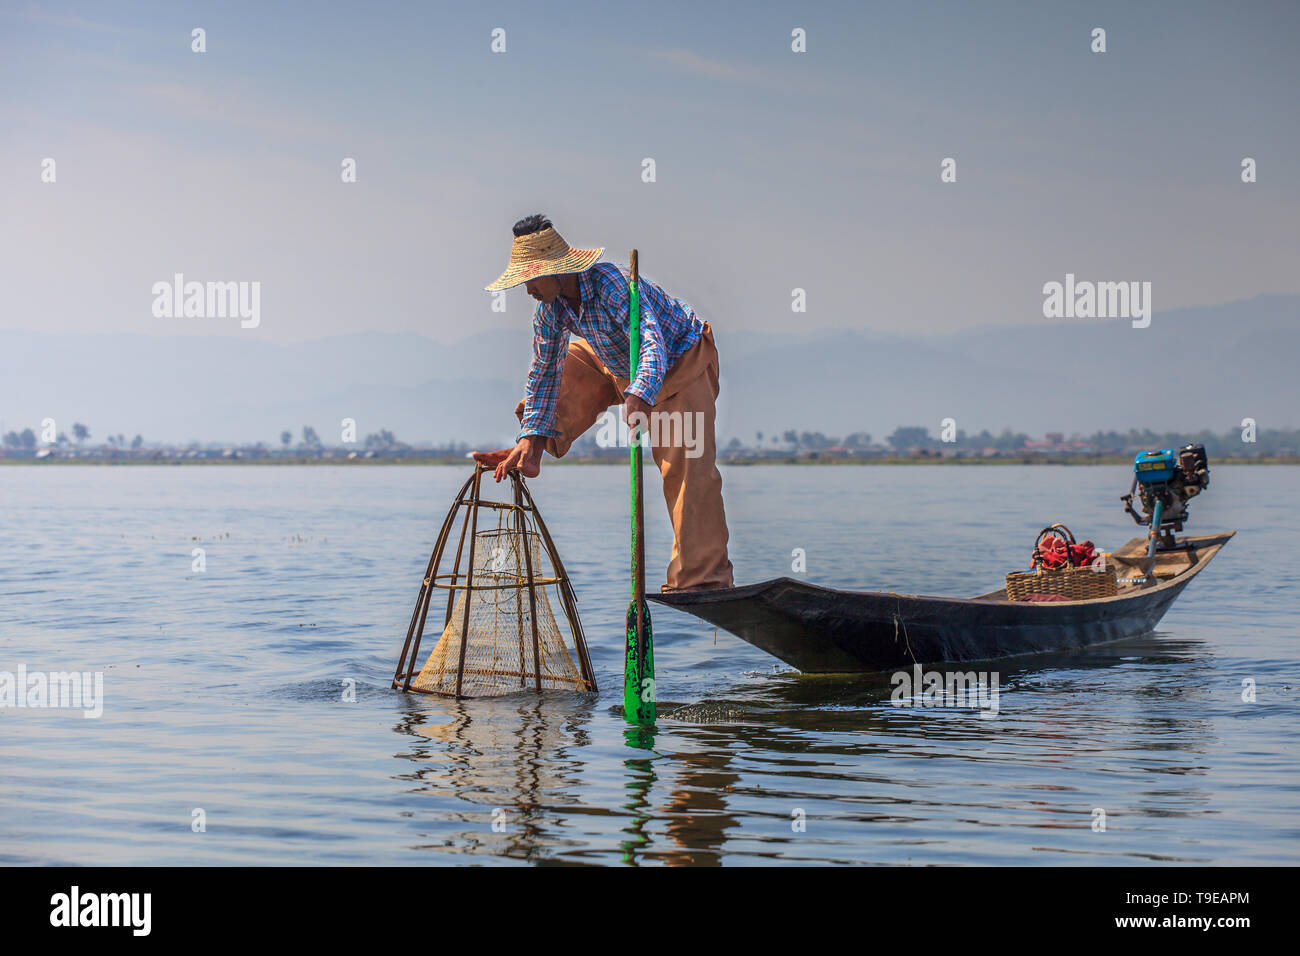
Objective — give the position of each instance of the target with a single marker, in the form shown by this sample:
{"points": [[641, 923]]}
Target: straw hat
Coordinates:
{"points": [[543, 253]]}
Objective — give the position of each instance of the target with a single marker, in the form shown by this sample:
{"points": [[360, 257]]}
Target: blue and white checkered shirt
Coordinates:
{"points": [[669, 327]]}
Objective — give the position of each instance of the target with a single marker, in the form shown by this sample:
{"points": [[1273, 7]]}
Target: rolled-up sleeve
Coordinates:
{"points": [[550, 346], [652, 361], [614, 293]]}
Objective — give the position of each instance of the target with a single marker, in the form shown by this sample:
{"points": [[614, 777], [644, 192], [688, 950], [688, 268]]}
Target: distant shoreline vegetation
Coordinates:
{"points": [[906, 445], [569, 460]]}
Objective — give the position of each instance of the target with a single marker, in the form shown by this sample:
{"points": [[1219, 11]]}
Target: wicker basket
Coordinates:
{"points": [[1069, 582]]}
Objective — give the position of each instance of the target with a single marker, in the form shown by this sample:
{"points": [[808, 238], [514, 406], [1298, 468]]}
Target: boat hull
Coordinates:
{"points": [[823, 630]]}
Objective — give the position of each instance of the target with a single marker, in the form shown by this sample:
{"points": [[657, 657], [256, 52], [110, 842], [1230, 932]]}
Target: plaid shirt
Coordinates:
{"points": [[668, 328]]}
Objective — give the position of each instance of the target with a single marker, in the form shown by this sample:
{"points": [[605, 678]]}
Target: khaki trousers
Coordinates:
{"points": [[692, 486]]}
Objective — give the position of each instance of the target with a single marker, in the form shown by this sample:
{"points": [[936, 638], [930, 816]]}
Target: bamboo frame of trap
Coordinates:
{"points": [[521, 506]]}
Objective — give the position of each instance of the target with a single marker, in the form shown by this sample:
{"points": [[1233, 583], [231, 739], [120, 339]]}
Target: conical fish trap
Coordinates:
{"points": [[498, 640], [500, 633]]}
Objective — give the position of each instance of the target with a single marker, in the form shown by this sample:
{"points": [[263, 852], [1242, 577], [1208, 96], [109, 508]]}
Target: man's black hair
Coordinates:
{"points": [[531, 224]]}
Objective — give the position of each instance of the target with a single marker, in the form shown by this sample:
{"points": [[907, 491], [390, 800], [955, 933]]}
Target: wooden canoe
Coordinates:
{"points": [[826, 631]]}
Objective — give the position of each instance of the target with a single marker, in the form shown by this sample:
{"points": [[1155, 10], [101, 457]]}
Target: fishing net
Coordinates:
{"points": [[498, 641], [500, 633]]}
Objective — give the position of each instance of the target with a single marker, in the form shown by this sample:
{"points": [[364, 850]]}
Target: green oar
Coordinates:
{"points": [[639, 664]]}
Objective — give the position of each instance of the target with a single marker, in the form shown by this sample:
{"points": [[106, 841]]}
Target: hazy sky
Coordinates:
{"points": [[775, 169]]}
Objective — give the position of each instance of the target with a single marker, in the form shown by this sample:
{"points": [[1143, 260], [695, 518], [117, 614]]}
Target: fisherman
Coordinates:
{"points": [[573, 380]]}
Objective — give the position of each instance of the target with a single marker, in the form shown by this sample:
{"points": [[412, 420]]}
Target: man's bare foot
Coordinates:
{"points": [[492, 458], [526, 457]]}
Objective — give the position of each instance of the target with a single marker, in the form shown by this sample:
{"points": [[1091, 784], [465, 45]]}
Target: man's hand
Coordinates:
{"points": [[525, 456], [634, 404]]}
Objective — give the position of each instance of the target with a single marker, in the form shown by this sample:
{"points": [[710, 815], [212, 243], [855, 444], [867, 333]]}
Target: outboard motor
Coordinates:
{"points": [[1164, 481]]}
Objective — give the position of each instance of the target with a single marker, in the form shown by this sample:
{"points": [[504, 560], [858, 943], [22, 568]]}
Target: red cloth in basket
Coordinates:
{"points": [[1056, 552]]}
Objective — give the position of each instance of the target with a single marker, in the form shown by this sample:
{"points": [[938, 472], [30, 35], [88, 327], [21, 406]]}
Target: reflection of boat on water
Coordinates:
{"points": [[824, 630]]}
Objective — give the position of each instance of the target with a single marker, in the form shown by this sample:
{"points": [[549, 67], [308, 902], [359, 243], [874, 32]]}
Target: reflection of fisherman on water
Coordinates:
{"points": [[697, 817], [695, 825], [518, 767]]}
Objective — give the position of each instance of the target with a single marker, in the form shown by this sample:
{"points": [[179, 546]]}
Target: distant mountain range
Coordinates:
{"points": [[1191, 369]]}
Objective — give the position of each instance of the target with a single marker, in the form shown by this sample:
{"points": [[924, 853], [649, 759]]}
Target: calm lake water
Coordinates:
{"points": [[224, 690]]}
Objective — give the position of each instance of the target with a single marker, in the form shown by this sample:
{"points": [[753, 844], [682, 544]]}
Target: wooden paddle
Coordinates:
{"points": [[638, 665]]}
